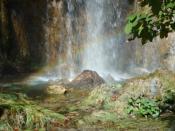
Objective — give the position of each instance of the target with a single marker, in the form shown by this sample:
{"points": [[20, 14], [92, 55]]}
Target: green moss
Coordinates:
{"points": [[101, 116], [19, 112], [100, 97], [109, 122]]}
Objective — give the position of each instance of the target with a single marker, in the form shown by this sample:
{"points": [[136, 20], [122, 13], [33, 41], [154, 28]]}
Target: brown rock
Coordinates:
{"points": [[87, 78]]}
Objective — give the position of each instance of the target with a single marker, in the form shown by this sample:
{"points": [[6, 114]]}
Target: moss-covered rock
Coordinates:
{"points": [[157, 87]]}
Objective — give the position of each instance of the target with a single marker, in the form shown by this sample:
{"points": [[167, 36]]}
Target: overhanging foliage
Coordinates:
{"points": [[158, 21]]}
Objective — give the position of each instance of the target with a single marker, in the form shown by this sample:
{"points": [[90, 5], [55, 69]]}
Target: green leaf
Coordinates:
{"points": [[132, 18], [170, 5], [149, 24], [128, 28]]}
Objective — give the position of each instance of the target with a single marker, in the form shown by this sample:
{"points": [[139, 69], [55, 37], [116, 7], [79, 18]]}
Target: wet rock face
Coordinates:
{"points": [[27, 19], [23, 26], [87, 78]]}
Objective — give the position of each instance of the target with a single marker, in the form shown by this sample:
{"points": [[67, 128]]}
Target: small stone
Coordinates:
{"points": [[56, 89], [113, 98]]}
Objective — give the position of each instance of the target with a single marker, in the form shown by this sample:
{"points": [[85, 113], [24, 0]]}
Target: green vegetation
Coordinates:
{"points": [[168, 101], [156, 19], [169, 97], [143, 106], [17, 112], [103, 97], [142, 101]]}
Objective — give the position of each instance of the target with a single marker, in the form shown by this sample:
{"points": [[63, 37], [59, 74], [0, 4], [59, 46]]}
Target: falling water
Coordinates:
{"points": [[94, 54], [88, 34], [104, 36], [69, 21]]}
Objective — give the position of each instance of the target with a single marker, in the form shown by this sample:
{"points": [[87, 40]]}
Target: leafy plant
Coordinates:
{"points": [[143, 106], [157, 21], [168, 101], [169, 97]]}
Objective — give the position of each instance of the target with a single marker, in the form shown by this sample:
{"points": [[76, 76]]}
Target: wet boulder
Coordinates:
{"points": [[87, 78]]}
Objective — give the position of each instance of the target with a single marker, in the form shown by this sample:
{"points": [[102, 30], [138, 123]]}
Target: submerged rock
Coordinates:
{"points": [[87, 78], [56, 90]]}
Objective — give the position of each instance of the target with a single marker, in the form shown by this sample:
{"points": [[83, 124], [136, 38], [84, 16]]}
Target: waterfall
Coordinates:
{"points": [[104, 36], [69, 56], [88, 34], [94, 50]]}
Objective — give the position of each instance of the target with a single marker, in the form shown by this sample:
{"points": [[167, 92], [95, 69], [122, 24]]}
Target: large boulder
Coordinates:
{"points": [[87, 78]]}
